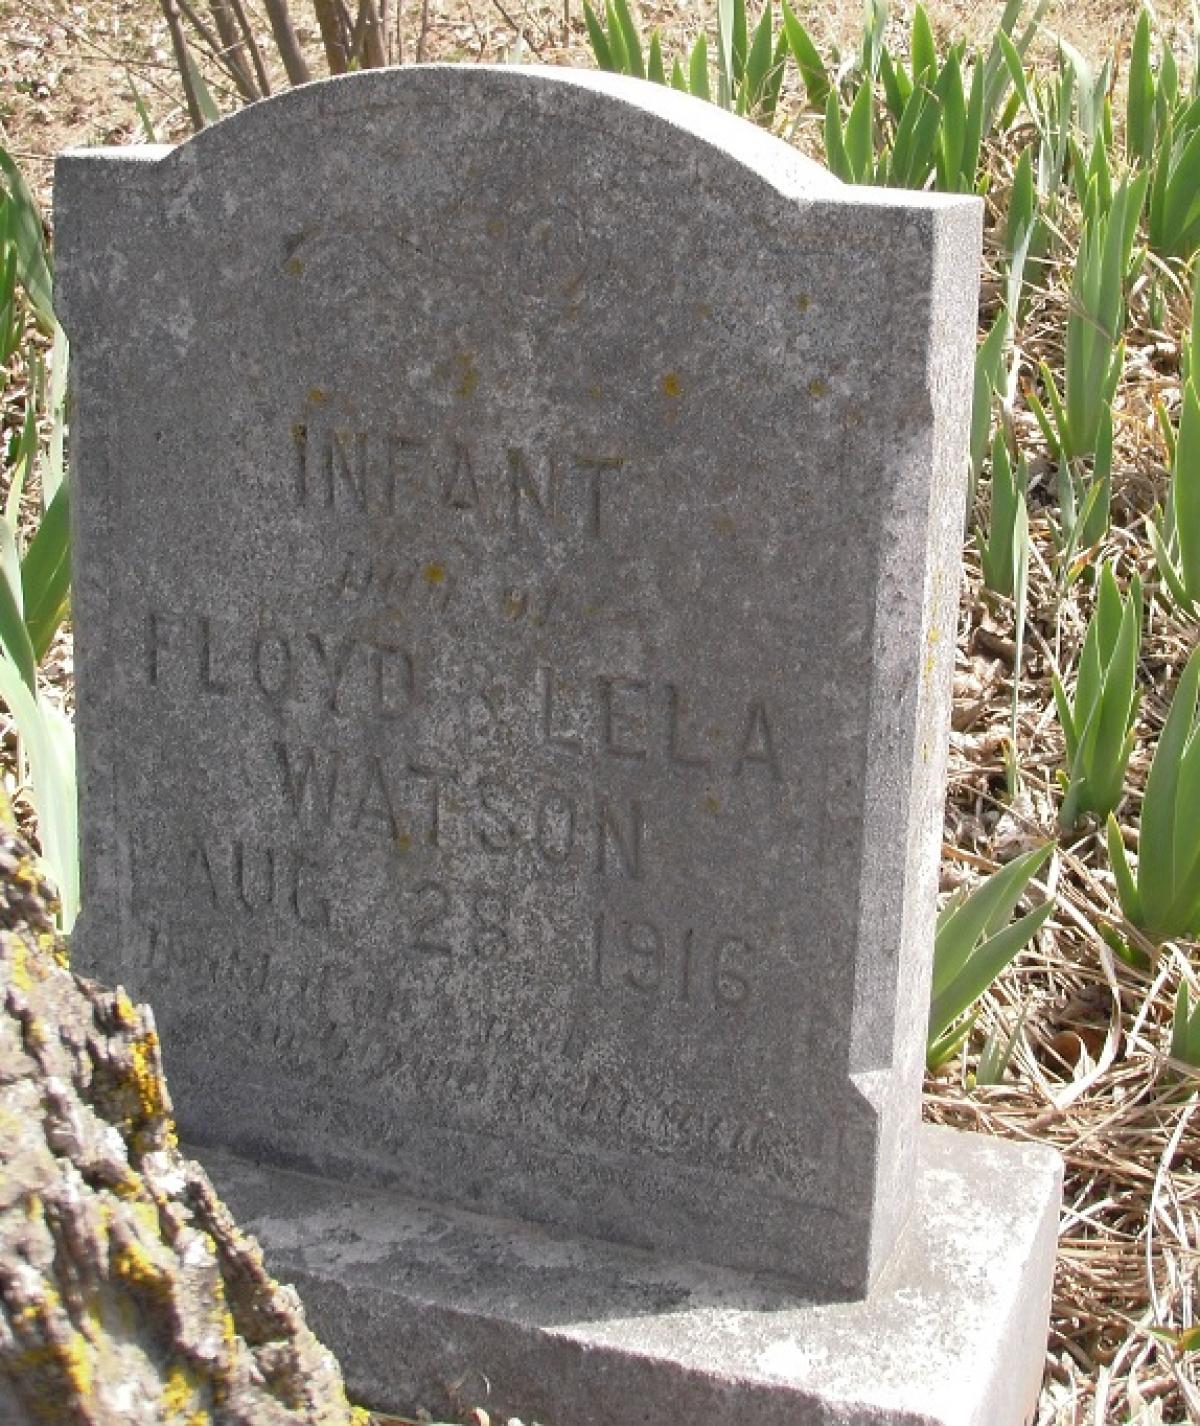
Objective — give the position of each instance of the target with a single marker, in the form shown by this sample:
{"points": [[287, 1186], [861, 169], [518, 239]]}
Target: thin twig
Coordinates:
{"points": [[517, 29], [260, 69], [234, 50], [211, 41], [213, 44], [179, 45]]}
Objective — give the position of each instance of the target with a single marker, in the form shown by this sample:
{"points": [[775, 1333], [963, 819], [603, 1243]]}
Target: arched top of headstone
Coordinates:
{"points": [[635, 113]]}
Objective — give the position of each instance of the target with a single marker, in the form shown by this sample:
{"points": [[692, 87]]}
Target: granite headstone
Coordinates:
{"points": [[517, 523]]}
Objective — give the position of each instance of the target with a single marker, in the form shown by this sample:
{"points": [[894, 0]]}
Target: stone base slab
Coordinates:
{"points": [[435, 1308]]}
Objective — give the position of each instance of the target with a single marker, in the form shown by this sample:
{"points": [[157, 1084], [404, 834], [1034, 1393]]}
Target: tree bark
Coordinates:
{"points": [[127, 1292], [368, 36], [286, 42], [333, 35]]}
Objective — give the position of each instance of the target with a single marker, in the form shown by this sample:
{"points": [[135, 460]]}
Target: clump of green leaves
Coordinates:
{"points": [[1162, 136], [1027, 236], [1084, 502], [1095, 353], [989, 376], [750, 67], [884, 122], [1175, 535], [1163, 900], [997, 1052], [1068, 102], [936, 120], [23, 245], [1185, 1029], [1148, 100], [975, 941], [936, 115], [1097, 722], [35, 577], [1004, 544]]}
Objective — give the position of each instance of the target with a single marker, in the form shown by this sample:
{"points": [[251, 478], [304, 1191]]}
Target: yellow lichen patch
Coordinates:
{"points": [[817, 387], [711, 804], [147, 1080], [802, 301], [434, 573], [77, 1365], [933, 638], [295, 266], [52, 945], [146, 1215], [672, 387], [18, 975], [360, 1416], [316, 395], [93, 1320], [182, 1396], [133, 1265], [130, 1185], [124, 1011], [68, 1365], [105, 1209], [596, 391]]}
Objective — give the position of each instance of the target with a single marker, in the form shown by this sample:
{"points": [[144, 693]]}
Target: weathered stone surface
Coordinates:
{"points": [[127, 1293], [449, 1309], [516, 560]]}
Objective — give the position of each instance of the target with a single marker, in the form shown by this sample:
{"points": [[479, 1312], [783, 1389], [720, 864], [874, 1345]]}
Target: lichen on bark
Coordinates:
{"points": [[127, 1292]]}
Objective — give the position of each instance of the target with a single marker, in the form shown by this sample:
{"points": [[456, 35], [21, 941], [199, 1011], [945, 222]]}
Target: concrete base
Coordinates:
{"points": [[445, 1310]]}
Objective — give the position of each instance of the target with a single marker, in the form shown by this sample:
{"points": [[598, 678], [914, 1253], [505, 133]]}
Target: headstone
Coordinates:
{"points": [[517, 527]]}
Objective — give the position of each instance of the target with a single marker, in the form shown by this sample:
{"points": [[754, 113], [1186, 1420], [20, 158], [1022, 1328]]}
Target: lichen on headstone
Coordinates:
{"points": [[127, 1292]]}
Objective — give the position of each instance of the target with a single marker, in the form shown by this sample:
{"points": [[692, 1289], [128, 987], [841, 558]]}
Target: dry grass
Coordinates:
{"points": [[1090, 1073]]}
